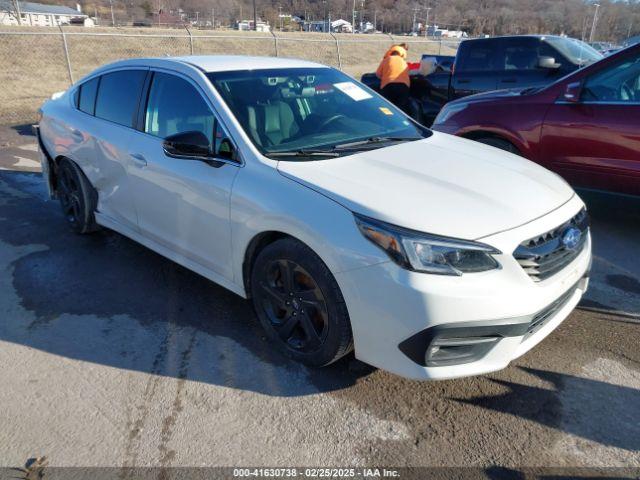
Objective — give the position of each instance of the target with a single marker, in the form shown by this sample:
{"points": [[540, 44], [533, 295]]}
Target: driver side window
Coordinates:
{"points": [[618, 83], [175, 106]]}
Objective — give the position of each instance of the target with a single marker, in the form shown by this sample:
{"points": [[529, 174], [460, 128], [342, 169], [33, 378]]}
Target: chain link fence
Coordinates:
{"points": [[40, 61]]}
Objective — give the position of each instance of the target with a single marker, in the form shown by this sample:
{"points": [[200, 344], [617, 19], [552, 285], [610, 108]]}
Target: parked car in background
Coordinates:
{"points": [[487, 64], [347, 224], [586, 127]]}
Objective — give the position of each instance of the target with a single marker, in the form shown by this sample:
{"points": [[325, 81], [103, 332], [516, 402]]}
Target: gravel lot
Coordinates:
{"points": [[114, 356]]}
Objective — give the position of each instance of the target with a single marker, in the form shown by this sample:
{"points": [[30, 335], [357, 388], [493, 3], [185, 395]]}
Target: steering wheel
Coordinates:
{"points": [[329, 121]]}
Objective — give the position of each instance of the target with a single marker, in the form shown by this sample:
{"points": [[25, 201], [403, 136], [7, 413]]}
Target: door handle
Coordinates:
{"points": [[509, 80], [139, 159], [463, 81]]}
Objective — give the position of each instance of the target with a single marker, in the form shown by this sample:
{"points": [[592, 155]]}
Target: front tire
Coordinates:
{"points": [[299, 304], [77, 197]]}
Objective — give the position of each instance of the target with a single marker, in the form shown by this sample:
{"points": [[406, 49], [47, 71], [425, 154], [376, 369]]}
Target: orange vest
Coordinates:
{"points": [[394, 68]]}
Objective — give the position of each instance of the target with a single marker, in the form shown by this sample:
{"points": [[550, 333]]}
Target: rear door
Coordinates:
{"points": [[475, 68], [595, 143], [115, 109], [182, 203]]}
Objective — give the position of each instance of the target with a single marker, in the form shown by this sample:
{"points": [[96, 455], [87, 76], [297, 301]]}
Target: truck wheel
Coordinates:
{"points": [[78, 198], [499, 143], [299, 304]]}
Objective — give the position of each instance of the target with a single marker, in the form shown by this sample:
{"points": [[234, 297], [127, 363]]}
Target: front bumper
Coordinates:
{"points": [[397, 315]]}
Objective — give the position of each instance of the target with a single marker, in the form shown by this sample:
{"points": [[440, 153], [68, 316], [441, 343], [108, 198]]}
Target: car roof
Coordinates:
{"points": [[217, 63], [518, 36]]}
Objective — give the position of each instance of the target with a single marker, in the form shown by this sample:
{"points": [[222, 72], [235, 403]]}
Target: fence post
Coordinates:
{"points": [[190, 39], [337, 49], [275, 41], [440, 48], [66, 54]]}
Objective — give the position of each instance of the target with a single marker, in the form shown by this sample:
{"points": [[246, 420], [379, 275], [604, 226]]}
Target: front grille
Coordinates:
{"points": [[541, 318], [545, 255]]}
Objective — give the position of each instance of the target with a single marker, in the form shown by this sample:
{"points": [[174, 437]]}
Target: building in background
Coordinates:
{"points": [[40, 15], [247, 25]]}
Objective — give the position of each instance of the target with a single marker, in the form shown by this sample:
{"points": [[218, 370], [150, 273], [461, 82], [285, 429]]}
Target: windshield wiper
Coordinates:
{"points": [[304, 153], [374, 141]]}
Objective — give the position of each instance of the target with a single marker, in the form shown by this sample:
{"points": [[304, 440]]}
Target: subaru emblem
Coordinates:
{"points": [[571, 237]]}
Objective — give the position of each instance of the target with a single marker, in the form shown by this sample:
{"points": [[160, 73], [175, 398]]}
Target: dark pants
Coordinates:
{"points": [[398, 94]]}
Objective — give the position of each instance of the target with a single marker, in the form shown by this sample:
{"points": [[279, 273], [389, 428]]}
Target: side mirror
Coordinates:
{"points": [[189, 145], [547, 62], [226, 150], [572, 92]]}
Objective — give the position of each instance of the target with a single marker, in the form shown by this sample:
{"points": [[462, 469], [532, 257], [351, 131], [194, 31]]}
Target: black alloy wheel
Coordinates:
{"points": [[299, 303], [77, 197], [295, 305]]}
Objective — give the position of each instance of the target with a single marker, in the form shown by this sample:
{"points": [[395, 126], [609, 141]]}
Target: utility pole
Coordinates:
{"points": [[595, 21], [413, 23], [213, 19], [324, 16], [426, 23], [280, 16], [353, 18], [255, 17], [197, 20], [361, 12], [113, 17], [375, 20]]}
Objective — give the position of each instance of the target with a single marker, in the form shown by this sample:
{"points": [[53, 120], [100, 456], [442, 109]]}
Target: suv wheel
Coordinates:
{"points": [[299, 304]]}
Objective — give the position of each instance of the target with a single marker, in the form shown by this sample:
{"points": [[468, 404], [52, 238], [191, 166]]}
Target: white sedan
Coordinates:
{"points": [[347, 225]]}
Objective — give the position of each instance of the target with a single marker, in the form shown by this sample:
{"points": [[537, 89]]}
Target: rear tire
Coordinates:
{"points": [[299, 304], [499, 143], [78, 198]]}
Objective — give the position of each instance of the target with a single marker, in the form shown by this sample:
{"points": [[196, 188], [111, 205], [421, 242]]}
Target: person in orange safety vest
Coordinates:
{"points": [[393, 73]]}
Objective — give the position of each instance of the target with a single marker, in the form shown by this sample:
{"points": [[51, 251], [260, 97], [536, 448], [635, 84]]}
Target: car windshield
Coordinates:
{"points": [[576, 51], [304, 111]]}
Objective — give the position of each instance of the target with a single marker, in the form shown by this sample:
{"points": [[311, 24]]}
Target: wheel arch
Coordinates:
{"points": [[258, 243], [519, 144]]}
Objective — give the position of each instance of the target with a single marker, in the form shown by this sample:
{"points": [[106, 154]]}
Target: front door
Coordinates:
{"points": [[595, 143], [182, 203]]}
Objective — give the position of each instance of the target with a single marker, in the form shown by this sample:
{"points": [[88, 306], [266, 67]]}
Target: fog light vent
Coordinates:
{"points": [[454, 350]]}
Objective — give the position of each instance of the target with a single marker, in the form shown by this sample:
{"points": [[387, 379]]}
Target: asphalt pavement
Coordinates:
{"points": [[112, 355]]}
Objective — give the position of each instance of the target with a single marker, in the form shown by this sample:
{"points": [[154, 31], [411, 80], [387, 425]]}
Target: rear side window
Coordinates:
{"points": [[118, 96], [477, 56], [520, 54], [87, 95], [175, 106]]}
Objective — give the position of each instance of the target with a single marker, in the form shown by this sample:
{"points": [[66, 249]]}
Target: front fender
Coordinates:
{"points": [[265, 201]]}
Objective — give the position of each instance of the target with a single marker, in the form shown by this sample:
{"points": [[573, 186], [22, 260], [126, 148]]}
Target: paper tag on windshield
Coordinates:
{"points": [[353, 90]]}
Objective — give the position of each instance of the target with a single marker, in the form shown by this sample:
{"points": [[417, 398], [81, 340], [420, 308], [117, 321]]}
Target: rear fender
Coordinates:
{"points": [[48, 165]]}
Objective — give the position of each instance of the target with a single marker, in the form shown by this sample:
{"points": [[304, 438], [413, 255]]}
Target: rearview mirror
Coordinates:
{"points": [[192, 144], [547, 62], [572, 92]]}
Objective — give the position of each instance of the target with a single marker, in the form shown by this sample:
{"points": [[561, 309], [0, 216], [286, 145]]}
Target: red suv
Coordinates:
{"points": [[585, 126]]}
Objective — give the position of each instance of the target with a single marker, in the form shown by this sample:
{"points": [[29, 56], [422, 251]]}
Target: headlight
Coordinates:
{"points": [[424, 252], [449, 111]]}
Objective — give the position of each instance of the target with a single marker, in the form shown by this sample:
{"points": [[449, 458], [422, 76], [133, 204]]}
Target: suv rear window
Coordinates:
{"points": [[118, 96], [477, 56], [87, 95]]}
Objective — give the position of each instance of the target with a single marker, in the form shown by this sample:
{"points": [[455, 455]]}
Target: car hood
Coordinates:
{"points": [[442, 185], [491, 95]]}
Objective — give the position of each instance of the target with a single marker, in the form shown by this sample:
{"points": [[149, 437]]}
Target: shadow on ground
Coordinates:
{"points": [[105, 299], [590, 409]]}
